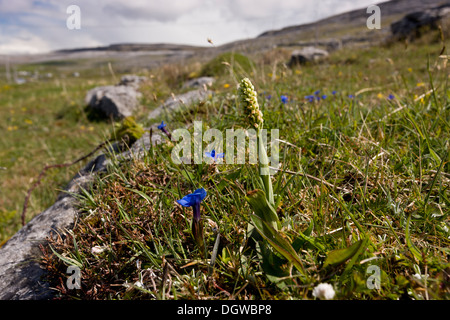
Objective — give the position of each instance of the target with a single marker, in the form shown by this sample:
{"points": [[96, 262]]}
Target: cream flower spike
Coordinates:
{"points": [[249, 101]]}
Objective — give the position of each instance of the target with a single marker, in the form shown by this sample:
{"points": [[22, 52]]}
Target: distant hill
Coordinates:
{"points": [[346, 27], [388, 10], [333, 32], [135, 47]]}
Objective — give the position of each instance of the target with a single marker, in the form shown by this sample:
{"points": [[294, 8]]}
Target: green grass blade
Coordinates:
{"points": [[67, 260]]}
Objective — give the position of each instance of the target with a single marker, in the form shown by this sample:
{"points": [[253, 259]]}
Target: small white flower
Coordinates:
{"points": [[324, 291], [97, 250], [420, 277]]}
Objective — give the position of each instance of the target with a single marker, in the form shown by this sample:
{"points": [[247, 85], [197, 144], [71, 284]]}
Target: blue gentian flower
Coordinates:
{"points": [[351, 96], [310, 98], [333, 92], [269, 97], [162, 127], [284, 99], [317, 92], [214, 155], [193, 200], [324, 96], [391, 96]]}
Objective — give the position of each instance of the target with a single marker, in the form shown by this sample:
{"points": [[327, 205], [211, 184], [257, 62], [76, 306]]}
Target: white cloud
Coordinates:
{"points": [[23, 42], [176, 21], [151, 10]]}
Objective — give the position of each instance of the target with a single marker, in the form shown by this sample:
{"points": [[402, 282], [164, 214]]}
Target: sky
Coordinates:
{"points": [[39, 26]]}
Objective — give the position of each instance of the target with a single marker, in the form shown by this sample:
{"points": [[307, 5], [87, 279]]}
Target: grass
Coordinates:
{"points": [[363, 185]]}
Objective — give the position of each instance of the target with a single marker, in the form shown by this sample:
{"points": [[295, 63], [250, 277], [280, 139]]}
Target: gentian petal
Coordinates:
{"points": [[185, 202], [193, 198], [201, 193], [162, 125]]}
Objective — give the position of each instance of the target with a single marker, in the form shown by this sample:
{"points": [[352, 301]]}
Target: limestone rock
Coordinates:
{"points": [[132, 80], [21, 273], [176, 102], [199, 82], [307, 54], [409, 27], [114, 101], [20, 269]]}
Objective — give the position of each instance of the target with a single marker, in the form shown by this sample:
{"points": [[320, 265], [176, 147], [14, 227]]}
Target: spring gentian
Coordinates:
{"points": [[333, 92], [214, 155], [310, 98], [317, 92], [162, 127], [391, 97], [284, 99], [193, 200]]}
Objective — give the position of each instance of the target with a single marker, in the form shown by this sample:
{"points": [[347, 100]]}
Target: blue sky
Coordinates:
{"points": [[28, 26]]}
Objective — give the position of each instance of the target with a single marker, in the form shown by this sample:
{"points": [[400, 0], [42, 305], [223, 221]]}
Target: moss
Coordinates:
{"points": [[221, 64]]}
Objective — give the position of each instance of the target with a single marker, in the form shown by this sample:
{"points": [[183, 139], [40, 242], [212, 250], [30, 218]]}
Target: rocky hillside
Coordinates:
{"points": [[333, 32]]}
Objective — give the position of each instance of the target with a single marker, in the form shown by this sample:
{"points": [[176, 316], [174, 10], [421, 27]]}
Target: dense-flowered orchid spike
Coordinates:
{"points": [[247, 97]]}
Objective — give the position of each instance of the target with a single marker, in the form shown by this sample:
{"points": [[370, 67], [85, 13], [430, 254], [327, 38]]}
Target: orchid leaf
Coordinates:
{"points": [[278, 242], [262, 208], [339, 256], [416, 252]]}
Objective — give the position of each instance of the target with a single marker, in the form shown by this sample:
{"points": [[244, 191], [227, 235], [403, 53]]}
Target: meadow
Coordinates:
{"points": [[360, 200]]}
